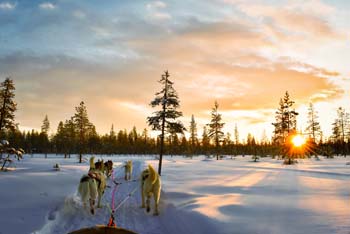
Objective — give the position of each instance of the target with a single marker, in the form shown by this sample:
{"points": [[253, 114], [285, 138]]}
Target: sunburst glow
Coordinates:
{"points": [[298, 140]]}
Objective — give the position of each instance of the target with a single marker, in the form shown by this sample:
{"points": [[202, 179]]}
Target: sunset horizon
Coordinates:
{"points": [[111, 55]]}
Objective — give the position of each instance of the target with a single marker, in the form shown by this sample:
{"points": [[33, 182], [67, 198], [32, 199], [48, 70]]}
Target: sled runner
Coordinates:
{"points": [[103, 230]]}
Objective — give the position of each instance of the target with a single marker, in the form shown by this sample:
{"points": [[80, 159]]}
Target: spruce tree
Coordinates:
{"points": [[313, 128], [205, 141], [44, 135], [164, 120], [46, 125], [82, 126], [193, 135], [112, 141], [59, 139], [236, 135], [70, 136], [341, 128], [285, 120], [215, 128], [7, 105]]}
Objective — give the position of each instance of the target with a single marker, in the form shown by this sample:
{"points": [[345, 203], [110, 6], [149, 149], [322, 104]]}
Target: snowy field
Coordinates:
{"points": [[198, 196]]}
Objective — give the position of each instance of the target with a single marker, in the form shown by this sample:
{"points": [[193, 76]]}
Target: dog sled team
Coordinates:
{"points": [[93, 184]]}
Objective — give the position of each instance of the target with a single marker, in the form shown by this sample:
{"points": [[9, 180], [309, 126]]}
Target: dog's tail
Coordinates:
{"points": [[102, 166], [92, 164], [153, 174], [84, 190]]}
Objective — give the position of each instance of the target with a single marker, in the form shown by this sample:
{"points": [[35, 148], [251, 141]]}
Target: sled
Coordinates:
{"points": [[101, 229]]}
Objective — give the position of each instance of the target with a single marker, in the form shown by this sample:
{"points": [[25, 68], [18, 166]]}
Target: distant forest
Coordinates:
{"points": [[78, 135]]}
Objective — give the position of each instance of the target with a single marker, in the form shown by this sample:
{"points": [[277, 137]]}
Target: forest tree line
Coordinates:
{"points": [[78, 135]]}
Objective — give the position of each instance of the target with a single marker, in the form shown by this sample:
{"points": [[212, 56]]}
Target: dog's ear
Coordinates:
{"points": [[92, 164], [152, 174], [102, 165]]}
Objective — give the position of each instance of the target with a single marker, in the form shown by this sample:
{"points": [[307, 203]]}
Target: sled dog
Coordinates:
{"points": [[150, 185], [92, 185], [128, 170], [108, 167]]}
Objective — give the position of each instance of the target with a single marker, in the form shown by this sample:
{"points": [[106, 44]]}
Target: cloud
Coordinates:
{"points": [[7, 6], [156, 5], [47, 6], [295, 19], [79, 14], [156, 10], [161, 16]]}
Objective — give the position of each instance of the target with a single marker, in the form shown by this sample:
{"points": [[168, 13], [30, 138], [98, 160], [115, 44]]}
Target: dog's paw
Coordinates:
{"points": [[92, 211], [148, 209]]}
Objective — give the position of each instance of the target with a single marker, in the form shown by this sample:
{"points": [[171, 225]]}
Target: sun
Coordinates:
{"points": [[298, 140]]}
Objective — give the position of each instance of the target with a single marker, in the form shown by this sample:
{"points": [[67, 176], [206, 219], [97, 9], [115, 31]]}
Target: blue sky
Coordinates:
{"points": [[244, 54]]}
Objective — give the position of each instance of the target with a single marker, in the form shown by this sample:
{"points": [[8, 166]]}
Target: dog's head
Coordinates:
{"points": [[149, 174], [109, 164], [128, 164], [99, 165], [144, 174]]}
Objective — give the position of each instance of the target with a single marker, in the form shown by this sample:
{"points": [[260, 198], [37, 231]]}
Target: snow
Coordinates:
{"points": [[199, 195]]}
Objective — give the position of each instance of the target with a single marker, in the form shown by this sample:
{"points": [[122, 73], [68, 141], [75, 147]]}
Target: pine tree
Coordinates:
{"points": [[44, 135], [341, 128], [7, 105], [112, 141], [193, 135], [46, 125], [82, 126], [215, 128], [236, 135], [285, 120], [264, 139], [70, 136], [313, 128], [93, 140], [205, 141], [58, 139], [164, 120]]}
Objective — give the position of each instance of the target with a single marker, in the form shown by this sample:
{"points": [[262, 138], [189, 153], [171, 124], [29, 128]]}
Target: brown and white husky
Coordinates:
{"points": [[92, 185]]}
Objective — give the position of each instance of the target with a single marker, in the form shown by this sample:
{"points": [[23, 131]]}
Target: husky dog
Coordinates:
{"points": [[108, 167], [150, 185], [128, 170], [92, 185]]}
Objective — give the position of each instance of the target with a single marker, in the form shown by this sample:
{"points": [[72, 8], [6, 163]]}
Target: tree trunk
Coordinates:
{"points": [[161, 144]]}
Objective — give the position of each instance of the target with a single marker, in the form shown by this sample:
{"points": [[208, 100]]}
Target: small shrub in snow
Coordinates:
{"points": [[11, 153], [255, 158], [56, 167]]}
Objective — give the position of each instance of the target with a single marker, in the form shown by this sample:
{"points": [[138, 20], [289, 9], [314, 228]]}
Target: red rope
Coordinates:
{"points": [[111, 222]]}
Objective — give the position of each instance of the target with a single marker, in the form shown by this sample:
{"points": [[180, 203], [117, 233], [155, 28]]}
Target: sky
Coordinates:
{"points": [[110, 54]]}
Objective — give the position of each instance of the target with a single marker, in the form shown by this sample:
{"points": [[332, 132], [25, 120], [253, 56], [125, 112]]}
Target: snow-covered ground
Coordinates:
{"points": [[198, 196]]}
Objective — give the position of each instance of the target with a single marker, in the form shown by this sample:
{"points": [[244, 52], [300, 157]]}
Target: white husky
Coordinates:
{"points": [[150, 185], [128, 170], [92, 185]]}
